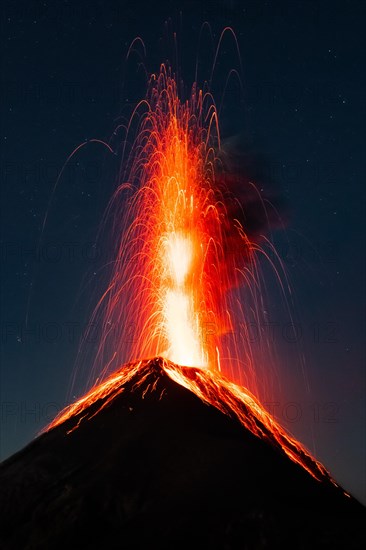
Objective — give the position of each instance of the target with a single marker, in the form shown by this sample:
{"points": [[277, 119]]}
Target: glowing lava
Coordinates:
{"points": [[180, 318], [179, 245], [168, 274], [181, 236]]}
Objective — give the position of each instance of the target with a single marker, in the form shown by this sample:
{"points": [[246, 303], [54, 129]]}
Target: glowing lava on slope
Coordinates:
{"points": [[212, 388]]}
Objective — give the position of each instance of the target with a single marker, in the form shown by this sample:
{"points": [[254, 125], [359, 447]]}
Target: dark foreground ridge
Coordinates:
{"points": [[150, 465]]}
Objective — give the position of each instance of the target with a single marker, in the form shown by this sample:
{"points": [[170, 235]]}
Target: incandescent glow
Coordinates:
{"points": [[182, 330], [181, 231], [180, 318], [179, 257]]}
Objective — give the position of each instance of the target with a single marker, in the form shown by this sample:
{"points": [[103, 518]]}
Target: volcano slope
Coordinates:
{"points": [[161, 456]]}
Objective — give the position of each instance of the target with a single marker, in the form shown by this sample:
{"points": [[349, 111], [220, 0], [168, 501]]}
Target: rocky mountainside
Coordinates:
{"points": [[147, 463]]}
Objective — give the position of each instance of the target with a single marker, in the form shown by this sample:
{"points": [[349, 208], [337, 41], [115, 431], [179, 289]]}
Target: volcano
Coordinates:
{"points": [[161, 456]]}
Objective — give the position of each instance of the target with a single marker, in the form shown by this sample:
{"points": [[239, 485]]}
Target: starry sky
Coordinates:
{"points": [[66, 81]]}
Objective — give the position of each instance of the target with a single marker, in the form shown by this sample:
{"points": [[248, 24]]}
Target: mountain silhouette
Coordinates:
{"points": [[161, 456]]}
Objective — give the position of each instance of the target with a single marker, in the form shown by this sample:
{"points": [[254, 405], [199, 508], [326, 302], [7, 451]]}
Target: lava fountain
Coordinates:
{"points": [[173, 262]]}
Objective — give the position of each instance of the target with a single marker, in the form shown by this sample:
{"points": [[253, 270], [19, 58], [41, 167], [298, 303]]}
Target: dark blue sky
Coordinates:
{"points": [[302, 110]]}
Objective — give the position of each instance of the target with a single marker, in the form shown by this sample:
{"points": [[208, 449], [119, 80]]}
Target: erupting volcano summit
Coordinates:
{"points": [[167, 452], [161, 456]]}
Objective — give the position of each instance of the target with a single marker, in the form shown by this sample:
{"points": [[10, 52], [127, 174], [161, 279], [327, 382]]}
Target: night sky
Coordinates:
{"points": [[66, 81]]}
